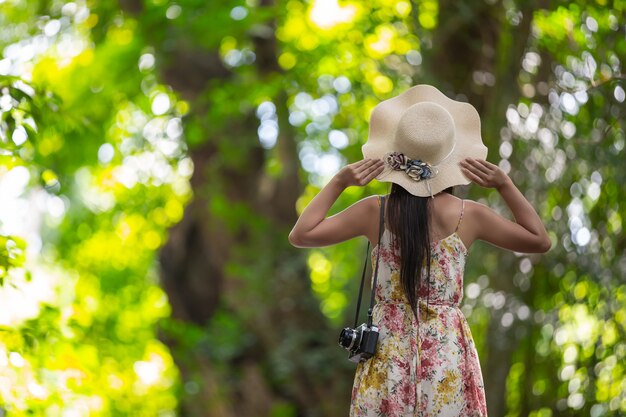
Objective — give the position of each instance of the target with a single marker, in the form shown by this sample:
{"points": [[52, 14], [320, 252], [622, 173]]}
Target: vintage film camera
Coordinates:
{"points": [[360, 342]]}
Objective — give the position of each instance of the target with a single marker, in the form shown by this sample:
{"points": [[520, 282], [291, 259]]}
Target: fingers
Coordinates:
{"points": [[477, 166], [368, 165], [367, 169], [482, 172], [475, 171], [375, 169], [490, 167], [372, 175], [471, 176]]}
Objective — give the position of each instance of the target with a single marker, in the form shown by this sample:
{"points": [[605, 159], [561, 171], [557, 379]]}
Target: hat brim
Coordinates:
{"points": [[384, 119]]}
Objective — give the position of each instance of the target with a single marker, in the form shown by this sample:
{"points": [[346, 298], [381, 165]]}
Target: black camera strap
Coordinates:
{"points": [[380, 233]]}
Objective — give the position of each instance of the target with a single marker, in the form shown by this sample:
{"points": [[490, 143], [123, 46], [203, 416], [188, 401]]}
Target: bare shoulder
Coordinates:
{"points": [[480, 213], [487, 225], [366, 208], [474, 216], [474, 207]]}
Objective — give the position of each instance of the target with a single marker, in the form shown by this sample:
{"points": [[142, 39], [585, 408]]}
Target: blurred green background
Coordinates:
{"points": [[154, 156]]}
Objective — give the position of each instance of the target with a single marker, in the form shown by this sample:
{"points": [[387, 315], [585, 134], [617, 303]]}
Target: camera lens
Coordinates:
{"points": [[347, 338]]}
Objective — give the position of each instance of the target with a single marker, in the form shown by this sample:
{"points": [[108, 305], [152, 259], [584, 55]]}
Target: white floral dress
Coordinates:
{"points": [[437, 374]]}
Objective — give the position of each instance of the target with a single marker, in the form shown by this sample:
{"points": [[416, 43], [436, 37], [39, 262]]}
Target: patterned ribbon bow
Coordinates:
{"points": [[416, 169]]}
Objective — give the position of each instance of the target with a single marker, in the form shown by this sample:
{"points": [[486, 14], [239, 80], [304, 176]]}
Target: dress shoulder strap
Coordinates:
{"points": [[380, 198], [461, 216]]}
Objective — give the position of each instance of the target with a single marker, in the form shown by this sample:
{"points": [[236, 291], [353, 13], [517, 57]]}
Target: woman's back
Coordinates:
{"points": [[448, 253], [429, 366]]}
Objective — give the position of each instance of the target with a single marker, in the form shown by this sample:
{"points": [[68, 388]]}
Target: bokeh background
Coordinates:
{"points": [[155, 154]]}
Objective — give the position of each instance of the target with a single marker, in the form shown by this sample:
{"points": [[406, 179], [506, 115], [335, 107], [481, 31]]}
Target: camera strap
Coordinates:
{"points": [[380, 233]]}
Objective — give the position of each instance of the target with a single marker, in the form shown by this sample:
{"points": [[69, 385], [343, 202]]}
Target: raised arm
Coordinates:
{"points": [[313, 229], [527, 234]]}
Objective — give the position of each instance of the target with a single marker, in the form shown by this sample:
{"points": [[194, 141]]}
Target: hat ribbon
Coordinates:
{"points": [[416, 169]]}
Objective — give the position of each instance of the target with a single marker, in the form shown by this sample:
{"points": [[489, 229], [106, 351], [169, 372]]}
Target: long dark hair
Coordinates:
{"points": [[408, 218]]}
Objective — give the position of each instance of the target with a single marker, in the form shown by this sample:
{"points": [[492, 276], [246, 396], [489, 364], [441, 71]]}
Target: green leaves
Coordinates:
{"points": [[12, 255]]}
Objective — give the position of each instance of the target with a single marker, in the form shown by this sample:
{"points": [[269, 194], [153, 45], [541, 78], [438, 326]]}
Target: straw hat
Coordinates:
{"points": [[421, 135]]}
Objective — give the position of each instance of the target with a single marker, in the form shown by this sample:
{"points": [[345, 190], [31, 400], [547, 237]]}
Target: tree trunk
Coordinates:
{"points": [[211, 268]]}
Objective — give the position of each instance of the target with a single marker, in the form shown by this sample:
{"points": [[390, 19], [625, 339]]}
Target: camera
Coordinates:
{"points": [[360, 342]]}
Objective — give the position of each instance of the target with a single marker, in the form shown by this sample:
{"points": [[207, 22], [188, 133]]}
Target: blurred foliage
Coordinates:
{"points": [[568, 128], [103, 172], [95, 165]]}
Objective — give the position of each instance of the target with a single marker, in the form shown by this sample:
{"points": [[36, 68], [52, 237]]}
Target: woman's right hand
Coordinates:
{"points": [[483, 173], [527, 234]]}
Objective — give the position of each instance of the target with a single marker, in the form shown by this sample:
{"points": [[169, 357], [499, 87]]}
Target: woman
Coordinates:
{"points": [[425, 363]]}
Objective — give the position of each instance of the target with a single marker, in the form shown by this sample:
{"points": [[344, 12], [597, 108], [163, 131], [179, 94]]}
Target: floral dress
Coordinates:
{"points": [[437, 374]]}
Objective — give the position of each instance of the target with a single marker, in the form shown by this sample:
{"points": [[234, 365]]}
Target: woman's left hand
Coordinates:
{"points": [[360, 173]]}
